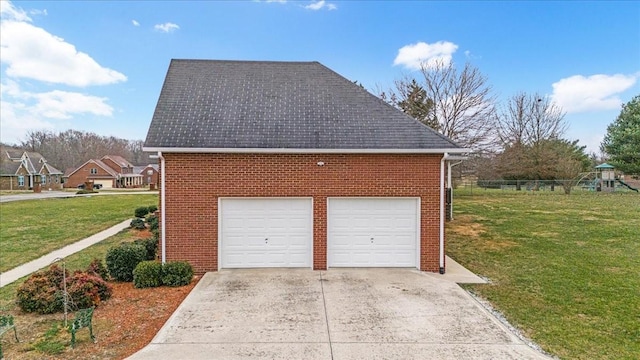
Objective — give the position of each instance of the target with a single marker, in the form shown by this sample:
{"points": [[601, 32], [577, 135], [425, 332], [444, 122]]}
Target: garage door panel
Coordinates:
{"points": [[265, 232], [391, 222]]}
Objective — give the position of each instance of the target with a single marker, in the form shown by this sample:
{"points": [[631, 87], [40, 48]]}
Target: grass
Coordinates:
{"points": [[42, 335], [564, 269], [77, 261], [30, 229]]}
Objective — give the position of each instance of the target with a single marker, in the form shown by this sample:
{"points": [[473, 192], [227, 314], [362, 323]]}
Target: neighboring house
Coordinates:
{"points": [[23, 170], [288, 164], [149, 174], [111, 171]]}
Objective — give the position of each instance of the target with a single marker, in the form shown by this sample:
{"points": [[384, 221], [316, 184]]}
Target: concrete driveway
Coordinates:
{"points": [[336, 314]]}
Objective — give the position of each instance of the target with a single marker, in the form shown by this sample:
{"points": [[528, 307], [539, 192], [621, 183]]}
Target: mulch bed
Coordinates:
{"points": [[124, 324]]}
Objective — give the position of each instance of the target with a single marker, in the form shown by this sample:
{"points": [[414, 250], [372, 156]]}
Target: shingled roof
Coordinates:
{"points": [[226, 105]]}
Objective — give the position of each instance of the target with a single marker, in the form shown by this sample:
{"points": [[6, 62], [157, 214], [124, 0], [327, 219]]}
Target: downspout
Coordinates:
{"points": [[163, 208], [450, 185], [442, 212]]}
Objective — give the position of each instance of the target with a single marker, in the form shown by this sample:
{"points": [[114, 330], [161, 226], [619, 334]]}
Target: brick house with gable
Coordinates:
{"points": [[295, 166], [111, 171]]}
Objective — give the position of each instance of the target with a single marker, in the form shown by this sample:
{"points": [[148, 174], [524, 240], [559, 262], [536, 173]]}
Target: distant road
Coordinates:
{"points": [[63, 194]]}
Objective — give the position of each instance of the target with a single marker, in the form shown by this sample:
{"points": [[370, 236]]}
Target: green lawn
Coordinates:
{"points": [[564, 269], [77, 261], [32, 228]]}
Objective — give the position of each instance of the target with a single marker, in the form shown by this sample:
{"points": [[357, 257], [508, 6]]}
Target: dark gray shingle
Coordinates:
{"points": [[290, 105]]}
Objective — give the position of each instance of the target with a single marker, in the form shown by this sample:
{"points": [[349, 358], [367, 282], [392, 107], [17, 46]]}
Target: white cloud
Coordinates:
{"points": [[32, 52], [22, 110], [56, 104], [59, 104], [135, 23], [38, 12], [320, 4], [414, 56], [10, 12], [16, 121], [166, 27], [596, 92]]}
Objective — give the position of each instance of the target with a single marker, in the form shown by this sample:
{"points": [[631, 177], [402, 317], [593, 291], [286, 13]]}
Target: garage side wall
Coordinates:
{"points": [[194, 182]]}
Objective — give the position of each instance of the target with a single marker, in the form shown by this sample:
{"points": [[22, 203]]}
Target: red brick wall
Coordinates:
{"points": [[154, 176], [113, 165], [195, 181], [84, 174]]}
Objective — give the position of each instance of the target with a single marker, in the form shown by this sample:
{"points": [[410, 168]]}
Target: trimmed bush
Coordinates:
{"points": [[87, 290], [141, 212], [150, 245], [122, 259], [138, 224], [42, 292], [147, 274], [152, 220], [97, 268], [82, 192], [152, 209], [177, 273]]}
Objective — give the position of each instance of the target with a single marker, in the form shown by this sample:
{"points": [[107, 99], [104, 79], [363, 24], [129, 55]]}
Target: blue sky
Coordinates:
{"points": [[99, 66]]}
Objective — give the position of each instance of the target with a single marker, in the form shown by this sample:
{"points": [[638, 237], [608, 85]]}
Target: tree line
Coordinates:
{"points": [[72, 148], [521, 139]]}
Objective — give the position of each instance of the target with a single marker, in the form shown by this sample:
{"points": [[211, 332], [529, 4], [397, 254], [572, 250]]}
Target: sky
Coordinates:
{"points": [[98, 66]]}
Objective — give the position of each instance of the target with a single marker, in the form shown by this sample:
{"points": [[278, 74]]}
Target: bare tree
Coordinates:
{"points": [[529, 119], [71, 148], [463, 103], [527, 127]]}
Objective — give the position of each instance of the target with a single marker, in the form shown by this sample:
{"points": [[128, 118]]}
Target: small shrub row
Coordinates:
{"points": [[147, 274], [122, 259], [142, 211], [150, 245], [152, 220], [43, 291], [138, 224], [153, 274], [82, 192]]}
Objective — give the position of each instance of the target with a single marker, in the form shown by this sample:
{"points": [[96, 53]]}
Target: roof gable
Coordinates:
{"points": [[119, 160], [208, 104], [98, 163]]}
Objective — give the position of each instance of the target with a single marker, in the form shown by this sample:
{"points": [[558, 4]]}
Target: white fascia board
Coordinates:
{"points": [[304, 151]]}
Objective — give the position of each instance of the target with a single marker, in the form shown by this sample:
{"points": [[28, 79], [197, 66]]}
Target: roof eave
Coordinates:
{"points": [[304, 151]]}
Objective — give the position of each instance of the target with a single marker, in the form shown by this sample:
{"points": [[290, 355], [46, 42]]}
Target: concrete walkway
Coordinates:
{"points": [[457, 273], [16, 273]]}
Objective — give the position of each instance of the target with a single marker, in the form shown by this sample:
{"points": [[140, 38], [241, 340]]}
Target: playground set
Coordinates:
{"points": [[603, 179]]}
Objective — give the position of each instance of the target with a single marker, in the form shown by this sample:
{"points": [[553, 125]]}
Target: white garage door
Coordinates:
{"points": [[106, 184], [265, 232], [372, 232]]}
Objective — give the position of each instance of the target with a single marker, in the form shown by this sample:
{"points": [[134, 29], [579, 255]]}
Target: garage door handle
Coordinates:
{"points": [[372, 240], [266, 240]]}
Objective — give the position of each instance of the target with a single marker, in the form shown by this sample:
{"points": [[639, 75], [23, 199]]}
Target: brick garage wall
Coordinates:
{"points": [[195, 181], [84, 174]]}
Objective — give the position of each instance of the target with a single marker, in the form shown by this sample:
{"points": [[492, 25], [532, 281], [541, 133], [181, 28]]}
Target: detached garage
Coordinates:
{"points": [[288, 164]]}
